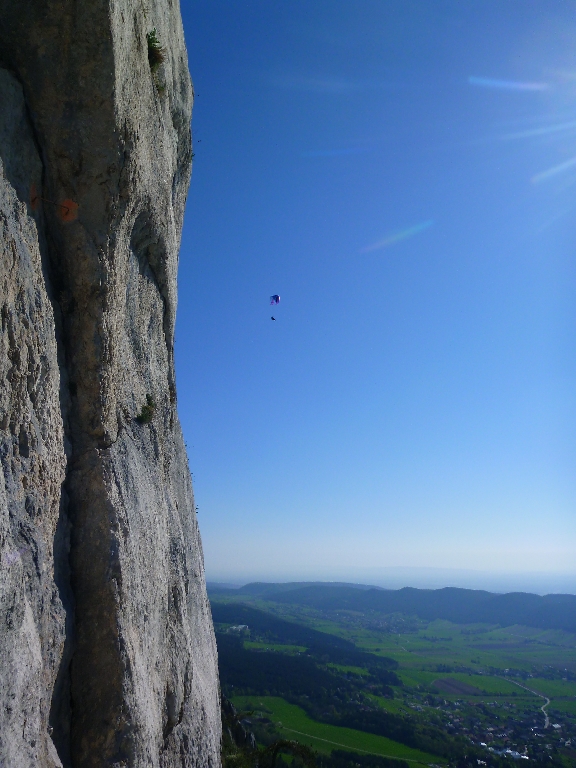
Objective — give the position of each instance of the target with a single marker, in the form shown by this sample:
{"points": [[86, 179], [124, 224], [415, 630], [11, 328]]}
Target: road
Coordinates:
{"points": [[541, 695]]}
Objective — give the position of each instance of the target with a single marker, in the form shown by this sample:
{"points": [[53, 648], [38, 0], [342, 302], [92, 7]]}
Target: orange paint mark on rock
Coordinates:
{"points": [[68, 210], [34, 199]]}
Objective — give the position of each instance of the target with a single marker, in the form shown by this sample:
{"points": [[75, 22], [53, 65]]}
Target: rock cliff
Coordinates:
{"points": [[107, 652]]}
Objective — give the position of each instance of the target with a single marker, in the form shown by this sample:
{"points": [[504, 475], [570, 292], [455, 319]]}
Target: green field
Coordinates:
{"points": [[444, 643], [552, 688], [322, 737], [395, 706], [353, 670], [490, 685], [279, 647], [487, 684], [563, 705]]}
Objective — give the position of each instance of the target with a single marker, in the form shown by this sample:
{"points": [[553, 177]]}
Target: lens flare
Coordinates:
{"points": [[507, 85], [531, 132], [551, 172], [397, 237]]}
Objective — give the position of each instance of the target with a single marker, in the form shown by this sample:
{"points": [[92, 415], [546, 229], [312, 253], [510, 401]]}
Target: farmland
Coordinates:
{"points": [[292, 721], [449, 693]]}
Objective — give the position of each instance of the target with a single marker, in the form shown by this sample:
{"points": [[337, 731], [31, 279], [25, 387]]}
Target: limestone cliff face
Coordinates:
{"points": [[107, 653]]}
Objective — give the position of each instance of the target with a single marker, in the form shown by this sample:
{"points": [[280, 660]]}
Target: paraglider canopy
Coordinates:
{"points": [[275, 299]]}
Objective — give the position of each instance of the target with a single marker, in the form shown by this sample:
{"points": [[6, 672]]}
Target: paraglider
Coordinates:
{"points": [[275, 299]]}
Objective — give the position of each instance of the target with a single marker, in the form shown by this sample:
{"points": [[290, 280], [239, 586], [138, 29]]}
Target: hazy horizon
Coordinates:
{"points": [[422, 578], [403, 175]]}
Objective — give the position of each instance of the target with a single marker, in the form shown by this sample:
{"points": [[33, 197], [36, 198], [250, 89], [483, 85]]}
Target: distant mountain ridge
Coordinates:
{"points": [[260, 588], [461, 606]]}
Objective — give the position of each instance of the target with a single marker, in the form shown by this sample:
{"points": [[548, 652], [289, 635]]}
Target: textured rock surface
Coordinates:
{"points": [[107, 649], [32, 456]]}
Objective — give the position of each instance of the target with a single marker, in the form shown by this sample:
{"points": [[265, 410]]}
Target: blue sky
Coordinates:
{"points": [[400, 172]]}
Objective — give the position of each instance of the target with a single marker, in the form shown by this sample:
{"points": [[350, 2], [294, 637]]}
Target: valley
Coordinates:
{"points": [[398, 686]]}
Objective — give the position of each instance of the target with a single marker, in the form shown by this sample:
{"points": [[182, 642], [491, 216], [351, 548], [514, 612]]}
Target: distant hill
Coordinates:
{"points": [[258, 588], [320, 644], [461, 606]]}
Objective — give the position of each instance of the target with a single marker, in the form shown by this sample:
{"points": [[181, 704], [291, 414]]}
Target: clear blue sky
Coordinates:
{"points": [[403, 174]]}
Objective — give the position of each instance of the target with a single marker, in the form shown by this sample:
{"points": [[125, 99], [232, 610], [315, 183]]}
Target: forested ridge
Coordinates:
{"points": [[461, 606]]}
